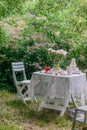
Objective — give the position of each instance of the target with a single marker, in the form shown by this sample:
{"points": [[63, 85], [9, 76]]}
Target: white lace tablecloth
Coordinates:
{"points": [[58, 86]]}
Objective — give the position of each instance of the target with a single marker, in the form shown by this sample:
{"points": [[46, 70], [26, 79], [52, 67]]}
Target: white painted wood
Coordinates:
{"points": [[55, 90], [23, 86], [83, 117]]}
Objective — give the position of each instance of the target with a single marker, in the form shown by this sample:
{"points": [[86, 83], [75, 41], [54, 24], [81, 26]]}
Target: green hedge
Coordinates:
{"points": [[64, 27], [8, 7], [33, 58]]}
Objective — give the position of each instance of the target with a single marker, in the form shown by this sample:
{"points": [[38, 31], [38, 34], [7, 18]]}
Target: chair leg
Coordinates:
{"points": [[21, 95], [24, 101], [16, 96], [74, 120]]}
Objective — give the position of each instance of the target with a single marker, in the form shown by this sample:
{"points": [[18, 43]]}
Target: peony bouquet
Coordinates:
{"points": [[56, 56]]}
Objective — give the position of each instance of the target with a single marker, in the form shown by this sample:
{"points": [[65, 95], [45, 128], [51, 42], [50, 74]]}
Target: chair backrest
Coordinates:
{"points": [[18, 67], [74, 102]]}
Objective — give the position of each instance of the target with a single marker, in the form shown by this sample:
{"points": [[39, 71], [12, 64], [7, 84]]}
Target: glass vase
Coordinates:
{"points": [[56, 66]]}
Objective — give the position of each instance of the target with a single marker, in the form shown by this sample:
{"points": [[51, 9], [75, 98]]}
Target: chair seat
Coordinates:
{"points": [[80, 113], [82, 108], [24, 82], [80, 118]]}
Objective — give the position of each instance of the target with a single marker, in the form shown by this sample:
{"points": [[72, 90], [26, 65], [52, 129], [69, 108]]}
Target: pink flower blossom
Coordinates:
{"points": [[31, 15], [41, 18], [57, 33], [20, 22], [27, 39], [34, 37], [41, 37]]}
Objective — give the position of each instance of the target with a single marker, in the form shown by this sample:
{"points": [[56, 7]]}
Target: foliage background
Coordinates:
{"points": [[28, 28]]}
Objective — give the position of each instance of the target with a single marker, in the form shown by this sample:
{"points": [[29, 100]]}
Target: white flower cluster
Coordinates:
{"points": [[57, 52]]}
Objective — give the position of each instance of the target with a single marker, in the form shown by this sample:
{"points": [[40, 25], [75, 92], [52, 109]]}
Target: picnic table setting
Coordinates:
{"points": [[55, 85], [43, 65], [57, 55], [71, 69]]}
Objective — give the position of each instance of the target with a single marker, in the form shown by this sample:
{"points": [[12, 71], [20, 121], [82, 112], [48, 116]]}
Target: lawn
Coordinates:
{"points": [[14, 115]]}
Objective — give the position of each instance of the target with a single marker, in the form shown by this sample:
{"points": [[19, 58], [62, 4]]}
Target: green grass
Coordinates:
{"points": [[14, 115]]}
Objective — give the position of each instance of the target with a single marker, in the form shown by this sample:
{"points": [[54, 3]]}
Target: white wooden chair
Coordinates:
{"points": [[23, 85], [82, 118]]}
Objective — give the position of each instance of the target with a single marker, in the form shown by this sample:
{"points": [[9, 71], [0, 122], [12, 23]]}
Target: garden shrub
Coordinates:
{"points": [[68, 18], [59, 25], [33, 58], [8, 7], [80, 54]]}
